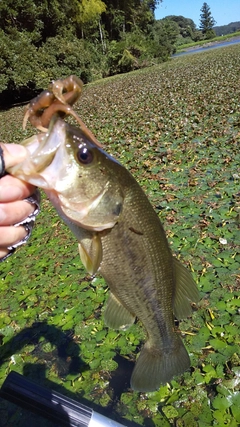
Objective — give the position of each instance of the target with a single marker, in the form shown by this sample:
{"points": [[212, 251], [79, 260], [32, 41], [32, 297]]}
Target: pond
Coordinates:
{"points": [[176, 128], [210, 45]]}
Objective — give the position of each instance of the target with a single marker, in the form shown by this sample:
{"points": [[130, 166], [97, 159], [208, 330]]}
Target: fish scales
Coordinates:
{"points": [[145, 266], [120, 235], [145, 286]]}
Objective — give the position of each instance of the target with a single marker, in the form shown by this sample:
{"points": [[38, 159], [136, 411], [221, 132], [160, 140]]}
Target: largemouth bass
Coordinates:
{"points": [[120, 235]]}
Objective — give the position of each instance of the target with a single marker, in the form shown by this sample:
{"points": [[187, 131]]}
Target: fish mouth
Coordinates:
{"points": [[49, 165], [42, 152]]}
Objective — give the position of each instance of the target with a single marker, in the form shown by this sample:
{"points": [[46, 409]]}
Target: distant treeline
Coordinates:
{"points": [[223, 30], [41, 41], [45, 40]]}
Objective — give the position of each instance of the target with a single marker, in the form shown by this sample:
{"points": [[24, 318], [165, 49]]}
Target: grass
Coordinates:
{"points": [[176, 128]]}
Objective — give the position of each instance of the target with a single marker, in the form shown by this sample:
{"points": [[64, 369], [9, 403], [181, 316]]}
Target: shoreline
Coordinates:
{"points": [[208, 44]]}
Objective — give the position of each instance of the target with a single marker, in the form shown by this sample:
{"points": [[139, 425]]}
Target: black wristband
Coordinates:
{"points": [[2, 163]]}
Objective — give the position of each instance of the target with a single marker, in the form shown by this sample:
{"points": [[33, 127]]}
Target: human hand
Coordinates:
{"points": [[19, 202]]}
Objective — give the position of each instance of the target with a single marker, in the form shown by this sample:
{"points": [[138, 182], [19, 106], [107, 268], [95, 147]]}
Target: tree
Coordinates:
{"points": [[41, 40], [207, 22], [186, 25], [123, 16], [166, 33], [90, 13]]}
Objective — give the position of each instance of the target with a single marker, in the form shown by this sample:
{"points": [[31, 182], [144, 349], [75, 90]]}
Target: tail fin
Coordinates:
{"points": [[155, 366]]}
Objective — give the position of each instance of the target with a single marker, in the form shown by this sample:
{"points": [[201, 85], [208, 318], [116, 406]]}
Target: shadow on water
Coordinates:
{"points": [[67, 361], [119, 381]]}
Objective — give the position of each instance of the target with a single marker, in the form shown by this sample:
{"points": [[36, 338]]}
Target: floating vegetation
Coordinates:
{"points": [[176, 127]]}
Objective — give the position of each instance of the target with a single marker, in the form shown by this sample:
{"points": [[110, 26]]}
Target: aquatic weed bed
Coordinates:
{"points": [[176, 128]]}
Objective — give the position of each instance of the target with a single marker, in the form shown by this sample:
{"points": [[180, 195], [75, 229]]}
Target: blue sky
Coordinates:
{"points": [[223, 11]]}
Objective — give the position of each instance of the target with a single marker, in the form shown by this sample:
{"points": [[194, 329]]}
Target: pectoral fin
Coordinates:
{"points": [[90, 251], [116, 316], [186, 291]]}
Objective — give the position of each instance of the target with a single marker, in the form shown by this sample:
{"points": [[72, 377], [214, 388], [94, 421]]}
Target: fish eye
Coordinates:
{"points": [[84, 155]]}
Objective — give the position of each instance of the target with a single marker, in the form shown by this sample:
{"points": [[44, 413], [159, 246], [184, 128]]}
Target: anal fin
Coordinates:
{"points": [[116, 316]]}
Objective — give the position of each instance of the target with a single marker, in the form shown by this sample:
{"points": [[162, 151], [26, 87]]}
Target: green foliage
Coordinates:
{"points": [[91, 10], [40, 41], [40, 19], [89, 15], [64, 56], [231, 28], [23, 65], [210, 34], [14, 16], [19, 60], [124, 56], [186, 25], [175, 126], [207, 22], [50, 18], [165, 33], [137, 50], [185, 30], [127, 16], [128, 54]]}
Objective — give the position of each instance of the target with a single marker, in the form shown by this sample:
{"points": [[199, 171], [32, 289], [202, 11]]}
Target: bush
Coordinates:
{"points": [[62, 56], [120, 58], [135, 50], [19, 60], [209, 34], [26, 69]]}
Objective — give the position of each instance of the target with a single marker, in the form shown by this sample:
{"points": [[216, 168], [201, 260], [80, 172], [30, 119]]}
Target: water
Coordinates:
{"points": [[209, 47]]}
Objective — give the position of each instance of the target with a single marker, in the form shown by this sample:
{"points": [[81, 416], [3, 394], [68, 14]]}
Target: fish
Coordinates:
{"points": [[121, 237]]}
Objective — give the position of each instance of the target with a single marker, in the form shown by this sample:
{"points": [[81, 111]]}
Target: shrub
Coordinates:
{"points": [[19, 60], [26, 69], [135, 50]]}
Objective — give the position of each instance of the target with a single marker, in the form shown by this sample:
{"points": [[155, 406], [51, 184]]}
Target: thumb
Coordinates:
{"points": [[13, 154]]}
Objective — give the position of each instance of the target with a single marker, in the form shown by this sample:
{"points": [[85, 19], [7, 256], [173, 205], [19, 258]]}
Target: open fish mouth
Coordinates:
{"points": [[52, 166], [45, 150]]}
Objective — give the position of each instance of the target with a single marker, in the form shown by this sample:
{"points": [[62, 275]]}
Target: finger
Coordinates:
{"points": [[13, 154], [12, 189], [11, 235], [12, 213]]}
